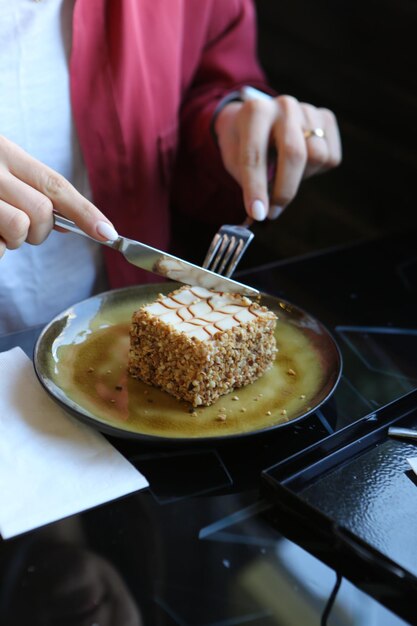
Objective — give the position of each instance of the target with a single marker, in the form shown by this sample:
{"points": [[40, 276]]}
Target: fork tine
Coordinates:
{"points": [[220, 252], [237, 255], [227, 247], [228, 253], [211, 252]]}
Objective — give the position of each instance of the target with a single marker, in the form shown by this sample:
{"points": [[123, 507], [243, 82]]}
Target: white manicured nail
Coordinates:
{"points": [[275, 211], [258, 210], [106, 230]]}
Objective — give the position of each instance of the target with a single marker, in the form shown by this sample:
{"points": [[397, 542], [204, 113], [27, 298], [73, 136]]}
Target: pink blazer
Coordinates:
{"points": [[145, 78]]}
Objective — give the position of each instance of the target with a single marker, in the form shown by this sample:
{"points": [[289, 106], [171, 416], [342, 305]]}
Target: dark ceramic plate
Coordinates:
{"points": [[81, 356]]}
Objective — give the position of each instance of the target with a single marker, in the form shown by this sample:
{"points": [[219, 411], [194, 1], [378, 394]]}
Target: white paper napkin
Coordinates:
{"points": [[51, 465], [413, 462]]}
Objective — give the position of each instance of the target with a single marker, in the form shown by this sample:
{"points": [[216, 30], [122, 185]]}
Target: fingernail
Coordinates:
{"points": [[107, 231], [258, 210], [275, 211]]}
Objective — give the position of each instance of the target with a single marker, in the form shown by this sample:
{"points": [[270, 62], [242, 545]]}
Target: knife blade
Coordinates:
{"points": [[164, 264]]}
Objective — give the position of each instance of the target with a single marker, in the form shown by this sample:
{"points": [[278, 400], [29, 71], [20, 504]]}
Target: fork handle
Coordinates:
{"points": [[248, 222], [63, 222]]}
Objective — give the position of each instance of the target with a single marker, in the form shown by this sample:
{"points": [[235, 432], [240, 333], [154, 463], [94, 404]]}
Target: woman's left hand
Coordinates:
{"points": [[304, 138]]}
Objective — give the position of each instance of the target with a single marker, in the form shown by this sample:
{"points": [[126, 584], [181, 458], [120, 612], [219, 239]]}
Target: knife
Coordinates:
{"points": [[164, 264]]}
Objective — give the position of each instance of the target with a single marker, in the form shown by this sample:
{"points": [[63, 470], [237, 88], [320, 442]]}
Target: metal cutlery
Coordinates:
{"points": [[407, 433], [231, 241], [227, 247], [164, 264]]}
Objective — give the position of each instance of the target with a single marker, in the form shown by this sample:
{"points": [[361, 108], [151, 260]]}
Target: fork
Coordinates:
{"points": [[230, 242], [227, 247]]}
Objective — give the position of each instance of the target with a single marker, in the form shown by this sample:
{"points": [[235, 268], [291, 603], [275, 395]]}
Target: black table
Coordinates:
{"points": [[212, 542]]}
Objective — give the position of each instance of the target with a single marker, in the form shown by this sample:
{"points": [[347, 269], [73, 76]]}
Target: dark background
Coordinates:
{"points": [[358, 58]]}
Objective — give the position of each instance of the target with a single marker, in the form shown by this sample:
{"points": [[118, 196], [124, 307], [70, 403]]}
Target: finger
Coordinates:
{"points": [[37, 206], [2, 247], [256, 120], [292, 152], [64, 197], [317, 147], [333, 138], [14, 225]]}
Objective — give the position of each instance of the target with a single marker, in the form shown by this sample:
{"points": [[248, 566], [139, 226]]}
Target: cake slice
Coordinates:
{"points": [[198, 345]]}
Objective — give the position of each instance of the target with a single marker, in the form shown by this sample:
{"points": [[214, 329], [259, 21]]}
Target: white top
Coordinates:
{"points": [[202, 314], [37, 282]]}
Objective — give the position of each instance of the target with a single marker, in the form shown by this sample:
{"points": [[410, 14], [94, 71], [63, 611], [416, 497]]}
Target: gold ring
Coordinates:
{"points": [[314, 132]]}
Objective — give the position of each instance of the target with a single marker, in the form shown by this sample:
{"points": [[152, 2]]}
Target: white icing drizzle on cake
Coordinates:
{"points": [[200, 313]]}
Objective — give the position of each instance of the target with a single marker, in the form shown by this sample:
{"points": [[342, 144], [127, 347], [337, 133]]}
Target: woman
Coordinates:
{"points": [[126, 106]]}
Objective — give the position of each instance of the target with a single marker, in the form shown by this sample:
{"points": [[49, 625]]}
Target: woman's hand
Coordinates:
{"points": [[249, 131], [29, 193]]}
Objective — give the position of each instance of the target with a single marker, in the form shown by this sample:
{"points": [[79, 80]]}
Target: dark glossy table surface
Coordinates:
{"points": [[202, 545]]}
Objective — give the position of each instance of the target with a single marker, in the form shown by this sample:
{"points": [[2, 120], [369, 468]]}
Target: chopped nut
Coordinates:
{"points": [[283, 411], [90, 369], [268, 413], [291, 372], [243, 410], [302, 397], [112, 400], [221, 417], [235, 398]]}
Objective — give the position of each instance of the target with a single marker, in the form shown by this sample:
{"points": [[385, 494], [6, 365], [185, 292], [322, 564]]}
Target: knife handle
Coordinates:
{"points": [[63, 222]]}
